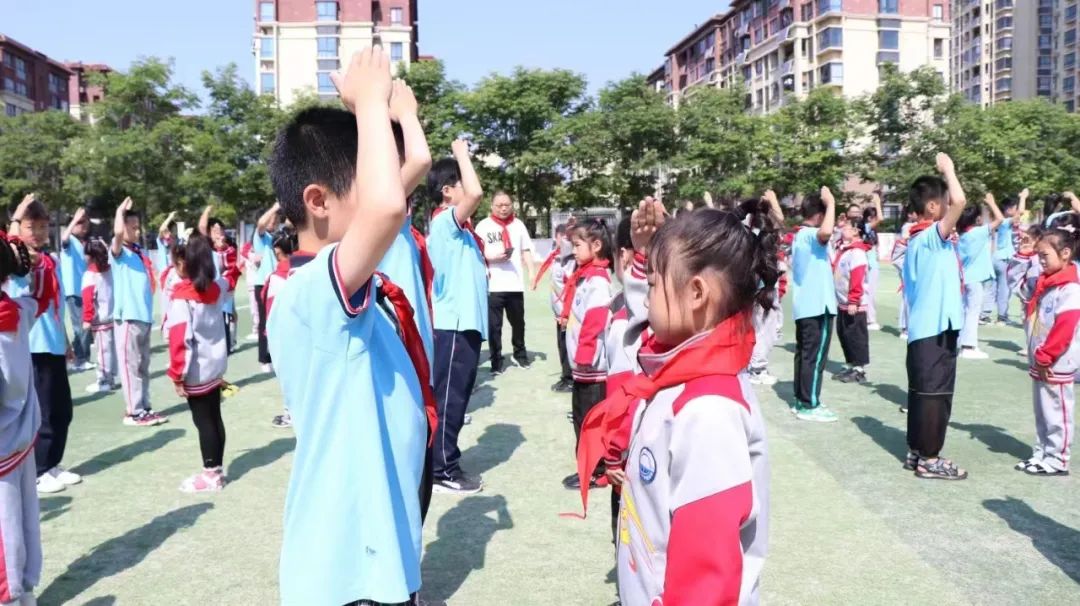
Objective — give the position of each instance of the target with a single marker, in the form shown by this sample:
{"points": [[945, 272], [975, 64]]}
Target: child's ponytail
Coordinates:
{"points": [[767, 265]]}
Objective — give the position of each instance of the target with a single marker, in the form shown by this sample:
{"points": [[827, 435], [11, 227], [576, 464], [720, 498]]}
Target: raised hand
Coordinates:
{"points": [[80, 214], [989, 199], [708, 200], [402, 101], [827, 197], [1024, 194], [366, 81], [460, 147], [945, 164], [644, 222], [770, 197], [20, 210]]}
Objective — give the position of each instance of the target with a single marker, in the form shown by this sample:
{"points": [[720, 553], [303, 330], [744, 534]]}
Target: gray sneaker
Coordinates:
{"points": [[459, 485]]}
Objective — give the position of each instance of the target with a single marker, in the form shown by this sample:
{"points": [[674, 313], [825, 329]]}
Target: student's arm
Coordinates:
{"points": [[775, 211], [380, 197], [529, 263], [876, 200], [855, 284], [20, 210], [163, 229], [995, 212], [644, 222], [266, 220], [66, 234], [181, 341], [1074, 202], [204, 220], [597, 297], [825, 232], [119, 227], [709, 200], [470, 183], [1021, 205], [417, 161], [957, 198]]}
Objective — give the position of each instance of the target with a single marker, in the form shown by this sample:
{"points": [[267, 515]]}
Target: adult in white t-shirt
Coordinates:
{"points": [[508, 249]]}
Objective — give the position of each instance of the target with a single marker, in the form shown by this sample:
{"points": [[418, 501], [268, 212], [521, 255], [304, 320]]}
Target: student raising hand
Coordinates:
{"points": [[644, 222]]}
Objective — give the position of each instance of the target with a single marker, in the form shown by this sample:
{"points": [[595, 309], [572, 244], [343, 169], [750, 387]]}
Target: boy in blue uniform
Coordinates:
{"points": [[933, 292], [262, 246], [977, 272], [459, 296], [72, 268], [1004, 249], [814, 304], [352, 514]]}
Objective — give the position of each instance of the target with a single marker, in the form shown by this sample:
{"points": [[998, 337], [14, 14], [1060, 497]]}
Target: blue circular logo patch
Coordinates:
{"points": [[647, 466]]}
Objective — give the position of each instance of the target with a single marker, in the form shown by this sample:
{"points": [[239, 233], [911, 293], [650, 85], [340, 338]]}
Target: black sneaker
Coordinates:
{"points": [[563, 386], [497, 368], [844, 376], [852, 376], [461, 484], [522, 362], [282, 421], [572, 481]]}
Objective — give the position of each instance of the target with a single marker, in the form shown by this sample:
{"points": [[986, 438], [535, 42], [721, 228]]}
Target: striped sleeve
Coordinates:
{"points": [[591, 336], [352, 304], [89, 296], [181, 337]]}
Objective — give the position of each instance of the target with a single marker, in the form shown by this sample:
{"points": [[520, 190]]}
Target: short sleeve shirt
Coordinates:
{"points": [[932, 285], [812, 275], [1004, 248], [47, 333], [402, 265], [352, 517], [460, 290], [264, 247], [161, 257], [975, 254], [506, 276], [134, 301], [72, 266]]}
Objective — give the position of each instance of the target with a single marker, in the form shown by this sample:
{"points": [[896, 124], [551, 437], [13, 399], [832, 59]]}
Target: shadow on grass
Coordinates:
{"points": [[463, 534], [127, 452], [243, 347], [493, 448], [1058, 543], [996, 439], [890, 439], [254, 379], [891, 330], [259, 457], [160, 347], [119, 554], [892, 393], [108, 600], [91, 397], [1005, 345], [785, 390], [53, 507], [482, 397], [1014, 362]]}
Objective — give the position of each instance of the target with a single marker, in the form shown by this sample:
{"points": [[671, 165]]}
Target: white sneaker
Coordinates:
{"points": [[266, 368], [252, 337], [27, 599], [762, 378], [874, 326], [88, 365], [973, 353], [1022, 352], [94, 388], [903, 335], [47, 484], [65, 477]]}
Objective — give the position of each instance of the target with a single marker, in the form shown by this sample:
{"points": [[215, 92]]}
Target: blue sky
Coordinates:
{"points": [[603, 39]]}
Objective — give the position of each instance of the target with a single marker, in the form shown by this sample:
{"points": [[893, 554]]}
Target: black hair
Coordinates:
{"points": [[720, 241], [1052, 203], [98, 253], [1008, 203], [318, 146], [560, 229], [14, 258], [198, 258], [925, 190], [812, 206], [860, 226], [869, 234], [869, 214], [968, 217], [757, 209], [1035, 231], [214, 222], [622, 235], [595, 230], [444, 173], [1064, 233], [285, 242], [35, 211], [131, 214]]}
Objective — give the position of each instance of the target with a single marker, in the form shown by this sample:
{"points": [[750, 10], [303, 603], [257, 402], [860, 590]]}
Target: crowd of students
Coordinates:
{"points": [[374, 331]]}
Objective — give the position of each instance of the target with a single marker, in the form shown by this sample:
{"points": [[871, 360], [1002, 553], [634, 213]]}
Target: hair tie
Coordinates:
{"points": [[1069, 228]]}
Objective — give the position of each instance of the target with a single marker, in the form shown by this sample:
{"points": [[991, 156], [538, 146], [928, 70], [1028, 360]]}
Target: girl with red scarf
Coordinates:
{"points": [[851, 276]]}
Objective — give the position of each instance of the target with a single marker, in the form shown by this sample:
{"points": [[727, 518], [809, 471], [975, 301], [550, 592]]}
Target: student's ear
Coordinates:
{"points": [[697, 293], [316, 201], [447, 193], [596, 246]]}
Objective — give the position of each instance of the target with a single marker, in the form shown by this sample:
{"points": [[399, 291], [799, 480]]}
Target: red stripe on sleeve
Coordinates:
{"points": [[1059, 338], [592, 330], [855, 285], [88, 303], [177, 352]]}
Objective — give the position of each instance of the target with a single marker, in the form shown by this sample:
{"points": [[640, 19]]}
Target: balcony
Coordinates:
{"points": [[787, 68], [743, 31]]}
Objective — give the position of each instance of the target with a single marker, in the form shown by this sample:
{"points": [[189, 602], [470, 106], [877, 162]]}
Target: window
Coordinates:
{"points": [[1070, 12], [1004, 22], [1003, 84], [9, 60], [939, 12], [830, 37], [832, 73], [326, 85], [266, 83], [887, 6], [9, 84], [1046, 21], [825, 6], [746, 73], [1070, 106], [1044, 62], [1044, 83], [759, 67], [939, 48], [807, 11], [20, 68], [1005, 43], [11, 110], [1070, 60], [328, 47], [710, 65], [1069, 83], [326, 11], [396, 16], [328, 65], [20, 89], [266, 11], [397, 51], [266, 48], [889, 40], [1003, 63], [888, 57], [1070, 37]]}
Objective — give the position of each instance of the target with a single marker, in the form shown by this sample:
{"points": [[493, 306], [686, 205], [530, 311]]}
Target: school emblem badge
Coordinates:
{"points": [[647, 466]]}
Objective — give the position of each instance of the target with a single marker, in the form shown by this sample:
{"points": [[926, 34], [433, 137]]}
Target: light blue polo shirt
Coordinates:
{"points": [[72, 266], [264, 247], [352, 515], [402, 265], [932, 285], [1003, 240], [975, 254], [459, 292], [132, 298], [47, 333], [811, 275], [161, 257]]}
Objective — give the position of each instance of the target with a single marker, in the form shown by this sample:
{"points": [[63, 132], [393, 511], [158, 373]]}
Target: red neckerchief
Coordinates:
{"points": [[48, 285], [505, 225], [414, 345], [427, 270], [725, 351], [282, 271], [860, 245], [138, 250], [185, 291], [93, 268], [245, 250], [467, 226], [9, 313], [571, 284], [1045, 282], [918, 227], [545, 266]]}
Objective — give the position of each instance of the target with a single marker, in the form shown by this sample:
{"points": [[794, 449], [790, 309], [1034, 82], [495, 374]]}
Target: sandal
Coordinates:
{"points": [[1040, 468], [939, 469], [911, 461]]}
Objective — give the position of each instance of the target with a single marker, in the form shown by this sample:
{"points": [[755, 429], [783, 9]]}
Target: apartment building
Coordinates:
{"points": [[1003, 49], [785, 48], [298, 43], [30, 81], [1064, 18], [82, 93]]}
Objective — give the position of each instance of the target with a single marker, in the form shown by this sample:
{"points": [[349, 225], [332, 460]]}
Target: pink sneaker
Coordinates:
{"points": [[209, 480]]}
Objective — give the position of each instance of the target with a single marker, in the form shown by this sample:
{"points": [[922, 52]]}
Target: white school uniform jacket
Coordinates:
{"points": [[1052, 333], [1021, 274], [851, 278], [624, 338], [97, 298], [561, 270], [585, 325], [196, 332], [20, 415]]}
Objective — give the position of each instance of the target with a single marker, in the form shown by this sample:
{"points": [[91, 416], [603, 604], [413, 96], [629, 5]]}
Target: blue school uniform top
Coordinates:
{"points": [[264, 247], [161, 257], [932, 285], [47, 334], [459, 290], [133, 300], [352, 516], [72, 266], [870, 235], [811, 275], [1003, 240], [975, 254], [402, 265]]}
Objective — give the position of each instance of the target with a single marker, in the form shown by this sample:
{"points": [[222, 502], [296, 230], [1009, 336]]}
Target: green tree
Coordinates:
{"points": [[808, 145], [439, 98], [32, 146]]}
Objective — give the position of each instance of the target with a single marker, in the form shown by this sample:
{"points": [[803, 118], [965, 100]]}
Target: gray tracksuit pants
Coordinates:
{"points": [[766, 333], [1054, 407], [20, 532], [133, 356], [105, 343]]}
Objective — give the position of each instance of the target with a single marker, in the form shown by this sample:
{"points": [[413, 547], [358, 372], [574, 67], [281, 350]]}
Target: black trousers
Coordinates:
{"points": [[264, 350], [228, 333], [931, 368], [427, 483], [206, 413], [564, 359], [812, 338], [582, 399], [514, 305], [54, 400], [457, 355], [854, 338]]}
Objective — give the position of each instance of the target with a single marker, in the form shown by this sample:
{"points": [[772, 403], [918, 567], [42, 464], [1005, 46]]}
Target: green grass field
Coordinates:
{"points": [[847, 526]]}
